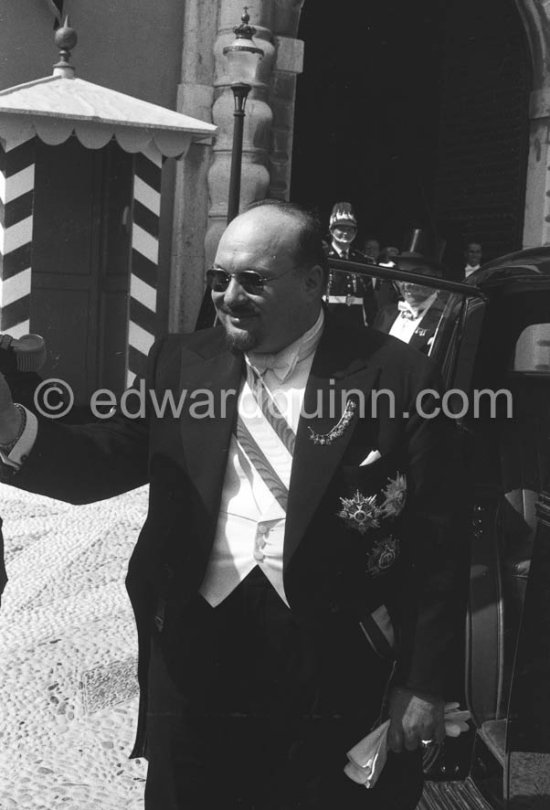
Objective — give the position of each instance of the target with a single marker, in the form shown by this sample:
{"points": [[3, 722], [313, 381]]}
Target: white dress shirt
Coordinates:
{"points": [[251, 522], [470, 268], [409, 318]]}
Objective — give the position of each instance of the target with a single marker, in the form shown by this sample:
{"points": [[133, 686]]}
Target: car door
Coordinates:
{"points": [[507, 459]]}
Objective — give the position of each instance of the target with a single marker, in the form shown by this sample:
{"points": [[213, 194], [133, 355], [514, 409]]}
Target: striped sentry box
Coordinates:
{"points": [[145, 259], [17, 161]]}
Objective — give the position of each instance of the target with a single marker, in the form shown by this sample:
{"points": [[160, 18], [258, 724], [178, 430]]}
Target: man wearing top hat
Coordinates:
{"points": [[415, 317], [349, 295]]}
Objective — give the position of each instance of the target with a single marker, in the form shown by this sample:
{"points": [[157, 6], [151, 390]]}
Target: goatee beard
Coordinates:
{"points": [[238, 344]]}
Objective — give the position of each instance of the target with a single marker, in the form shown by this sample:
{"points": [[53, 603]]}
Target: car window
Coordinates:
{"points": [[421, 316], [532, 350]]}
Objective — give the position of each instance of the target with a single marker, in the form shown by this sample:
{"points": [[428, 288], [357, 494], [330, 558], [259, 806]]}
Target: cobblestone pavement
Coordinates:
{"points": [[68, 651], [68, 692]]}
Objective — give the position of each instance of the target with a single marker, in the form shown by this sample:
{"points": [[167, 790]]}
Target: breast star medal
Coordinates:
{"points": [[384, 553], [360, 512], [364, 512], [395, 495], [374, 512]]}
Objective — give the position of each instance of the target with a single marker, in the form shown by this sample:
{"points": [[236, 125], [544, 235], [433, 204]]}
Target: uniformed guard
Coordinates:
{"points": [[349, 295]]}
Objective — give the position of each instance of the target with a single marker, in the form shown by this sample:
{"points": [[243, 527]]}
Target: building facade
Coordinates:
{"points": [[171, 53]]}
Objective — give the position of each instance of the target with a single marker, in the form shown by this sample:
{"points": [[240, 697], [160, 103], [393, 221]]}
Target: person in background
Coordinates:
{"points": [[388, 256], [386, 291], [350, 296], [415, 318], [473, 255], [372, 248]]}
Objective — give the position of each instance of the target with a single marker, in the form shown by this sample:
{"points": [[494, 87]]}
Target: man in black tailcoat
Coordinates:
{"points": [[296, 579], [22, 380], [415, 317]]}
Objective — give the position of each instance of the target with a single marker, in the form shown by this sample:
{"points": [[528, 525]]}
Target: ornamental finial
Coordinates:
{"points": [[65, 39], [244, 30]]}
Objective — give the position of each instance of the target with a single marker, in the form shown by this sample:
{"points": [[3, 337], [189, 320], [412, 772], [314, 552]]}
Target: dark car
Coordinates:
{"points": [[502, 345], [492, 345], [491, 342]]}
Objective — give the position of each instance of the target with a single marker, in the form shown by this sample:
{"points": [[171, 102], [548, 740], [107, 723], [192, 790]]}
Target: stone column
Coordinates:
{"points": [[202, 177], [535, 15], [195, 98], [257, 124], [537, 193], [288, 64]]}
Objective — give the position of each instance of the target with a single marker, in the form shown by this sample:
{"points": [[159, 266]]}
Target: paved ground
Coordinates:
{"points": [[68, 694]]}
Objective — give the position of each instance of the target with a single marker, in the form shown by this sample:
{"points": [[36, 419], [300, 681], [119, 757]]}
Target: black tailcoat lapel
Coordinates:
{"points": [[338, 367], [214, 376]]}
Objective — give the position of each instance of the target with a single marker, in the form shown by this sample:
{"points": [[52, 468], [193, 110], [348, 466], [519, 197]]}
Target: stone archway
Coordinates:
{"points": [[432, 83], [535, 15], [272, 131], [536, 19], [201, 189]]}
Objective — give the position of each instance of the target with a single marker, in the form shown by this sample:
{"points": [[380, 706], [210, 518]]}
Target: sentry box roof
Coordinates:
{"points": [[55, 107]]}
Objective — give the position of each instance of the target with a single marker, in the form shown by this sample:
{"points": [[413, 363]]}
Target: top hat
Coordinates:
{"points": [[415, 262], [425, 242], [342, 214]]}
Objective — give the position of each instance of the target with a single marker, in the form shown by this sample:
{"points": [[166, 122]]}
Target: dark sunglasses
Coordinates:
{"points": [[251, 281]]}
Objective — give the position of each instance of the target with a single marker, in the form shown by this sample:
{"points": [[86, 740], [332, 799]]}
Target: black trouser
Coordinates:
{"points": [[248, 709]]}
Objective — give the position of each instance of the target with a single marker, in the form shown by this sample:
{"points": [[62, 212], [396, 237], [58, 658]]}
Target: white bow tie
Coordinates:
{"points": [[407, 311]]}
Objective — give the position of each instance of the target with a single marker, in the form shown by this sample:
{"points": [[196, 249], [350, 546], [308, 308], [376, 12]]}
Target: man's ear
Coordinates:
{"points": [[315, 281]]}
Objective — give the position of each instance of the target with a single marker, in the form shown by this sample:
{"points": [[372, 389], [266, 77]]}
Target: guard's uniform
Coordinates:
{"points": [[350, 295]]}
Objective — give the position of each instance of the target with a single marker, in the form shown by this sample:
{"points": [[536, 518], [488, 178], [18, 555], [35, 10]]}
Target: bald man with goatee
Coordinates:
{"points": [[296, 580]]}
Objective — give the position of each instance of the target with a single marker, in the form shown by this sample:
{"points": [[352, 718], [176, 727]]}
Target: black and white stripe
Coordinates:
{"points": [[145, 258], [17, 162]]}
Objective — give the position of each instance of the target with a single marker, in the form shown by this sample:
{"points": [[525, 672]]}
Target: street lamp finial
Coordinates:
{"points": [[244, 30]]}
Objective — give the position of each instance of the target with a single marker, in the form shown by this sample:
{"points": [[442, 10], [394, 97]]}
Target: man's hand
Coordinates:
{"points": [[10, 416], [413, 718]]}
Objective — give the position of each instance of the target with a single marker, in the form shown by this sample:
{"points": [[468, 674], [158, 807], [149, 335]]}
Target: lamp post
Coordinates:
{"points": [[242, 61], [243, 57]]}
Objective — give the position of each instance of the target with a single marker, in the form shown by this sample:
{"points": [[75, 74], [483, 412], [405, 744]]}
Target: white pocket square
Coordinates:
{"points": [[368, 757], [374, 455]]}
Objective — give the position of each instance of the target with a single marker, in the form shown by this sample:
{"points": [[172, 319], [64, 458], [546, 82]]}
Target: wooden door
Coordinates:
{"points": [[80, 273]]}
